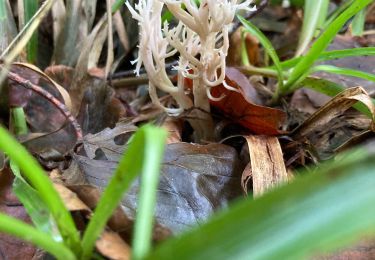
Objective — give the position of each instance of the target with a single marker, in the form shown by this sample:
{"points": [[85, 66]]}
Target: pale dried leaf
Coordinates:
{"points": [[110, 55], [267, 163], [90, 11], [121, 30], [58, 14]]}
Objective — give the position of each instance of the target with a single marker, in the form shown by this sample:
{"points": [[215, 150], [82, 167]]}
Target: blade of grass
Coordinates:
{"points": [[37, 177], [143, 154], [19, 229], [147, 198], [30, 8], [321, 44], [292, 222], [29, 197], [331, 55], [34, 205], [337, 12], [344, 71], [244, 55], [117, 5], [252, 29], [358, 23], [314, 13]]}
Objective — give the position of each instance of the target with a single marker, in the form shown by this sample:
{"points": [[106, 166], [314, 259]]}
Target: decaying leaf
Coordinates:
{"points": [[195, 181], [266, 167]]}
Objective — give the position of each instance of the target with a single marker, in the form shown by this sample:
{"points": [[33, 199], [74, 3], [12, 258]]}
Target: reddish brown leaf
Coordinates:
{"points": [[240, 108]]}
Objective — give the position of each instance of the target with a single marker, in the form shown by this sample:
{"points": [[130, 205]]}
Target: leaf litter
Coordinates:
{"points": [[196, 180]]}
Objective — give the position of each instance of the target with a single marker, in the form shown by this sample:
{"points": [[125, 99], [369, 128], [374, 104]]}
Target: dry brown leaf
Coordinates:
{"points": [[335, 107], [70, 199], [112, 246], [266, 166]]}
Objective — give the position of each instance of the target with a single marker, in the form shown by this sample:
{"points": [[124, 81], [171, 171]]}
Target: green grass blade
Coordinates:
{"points": [[314, 13], [30, 8], [315, 213], [29, 197], [337, 12], [244, 55], [34, 205], [37, 177], [117, 5], [331, 55], [143, 155], [147, 195], [358, 23], [252, 29], [322, 42], [21, 230], [344, 71]]}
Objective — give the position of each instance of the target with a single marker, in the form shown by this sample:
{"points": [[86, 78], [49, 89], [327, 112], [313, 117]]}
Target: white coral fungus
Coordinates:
{"points": [[201, 40]]}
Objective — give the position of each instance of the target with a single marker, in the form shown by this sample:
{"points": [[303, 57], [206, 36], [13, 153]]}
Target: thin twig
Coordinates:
{"points": [[57, 103]]}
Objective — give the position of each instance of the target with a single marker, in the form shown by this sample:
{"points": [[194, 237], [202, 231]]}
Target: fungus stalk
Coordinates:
{"points": [[201, 40]]}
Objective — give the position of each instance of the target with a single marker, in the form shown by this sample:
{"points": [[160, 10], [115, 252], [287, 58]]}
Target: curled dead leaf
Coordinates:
{"points": [[335, 107]]}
